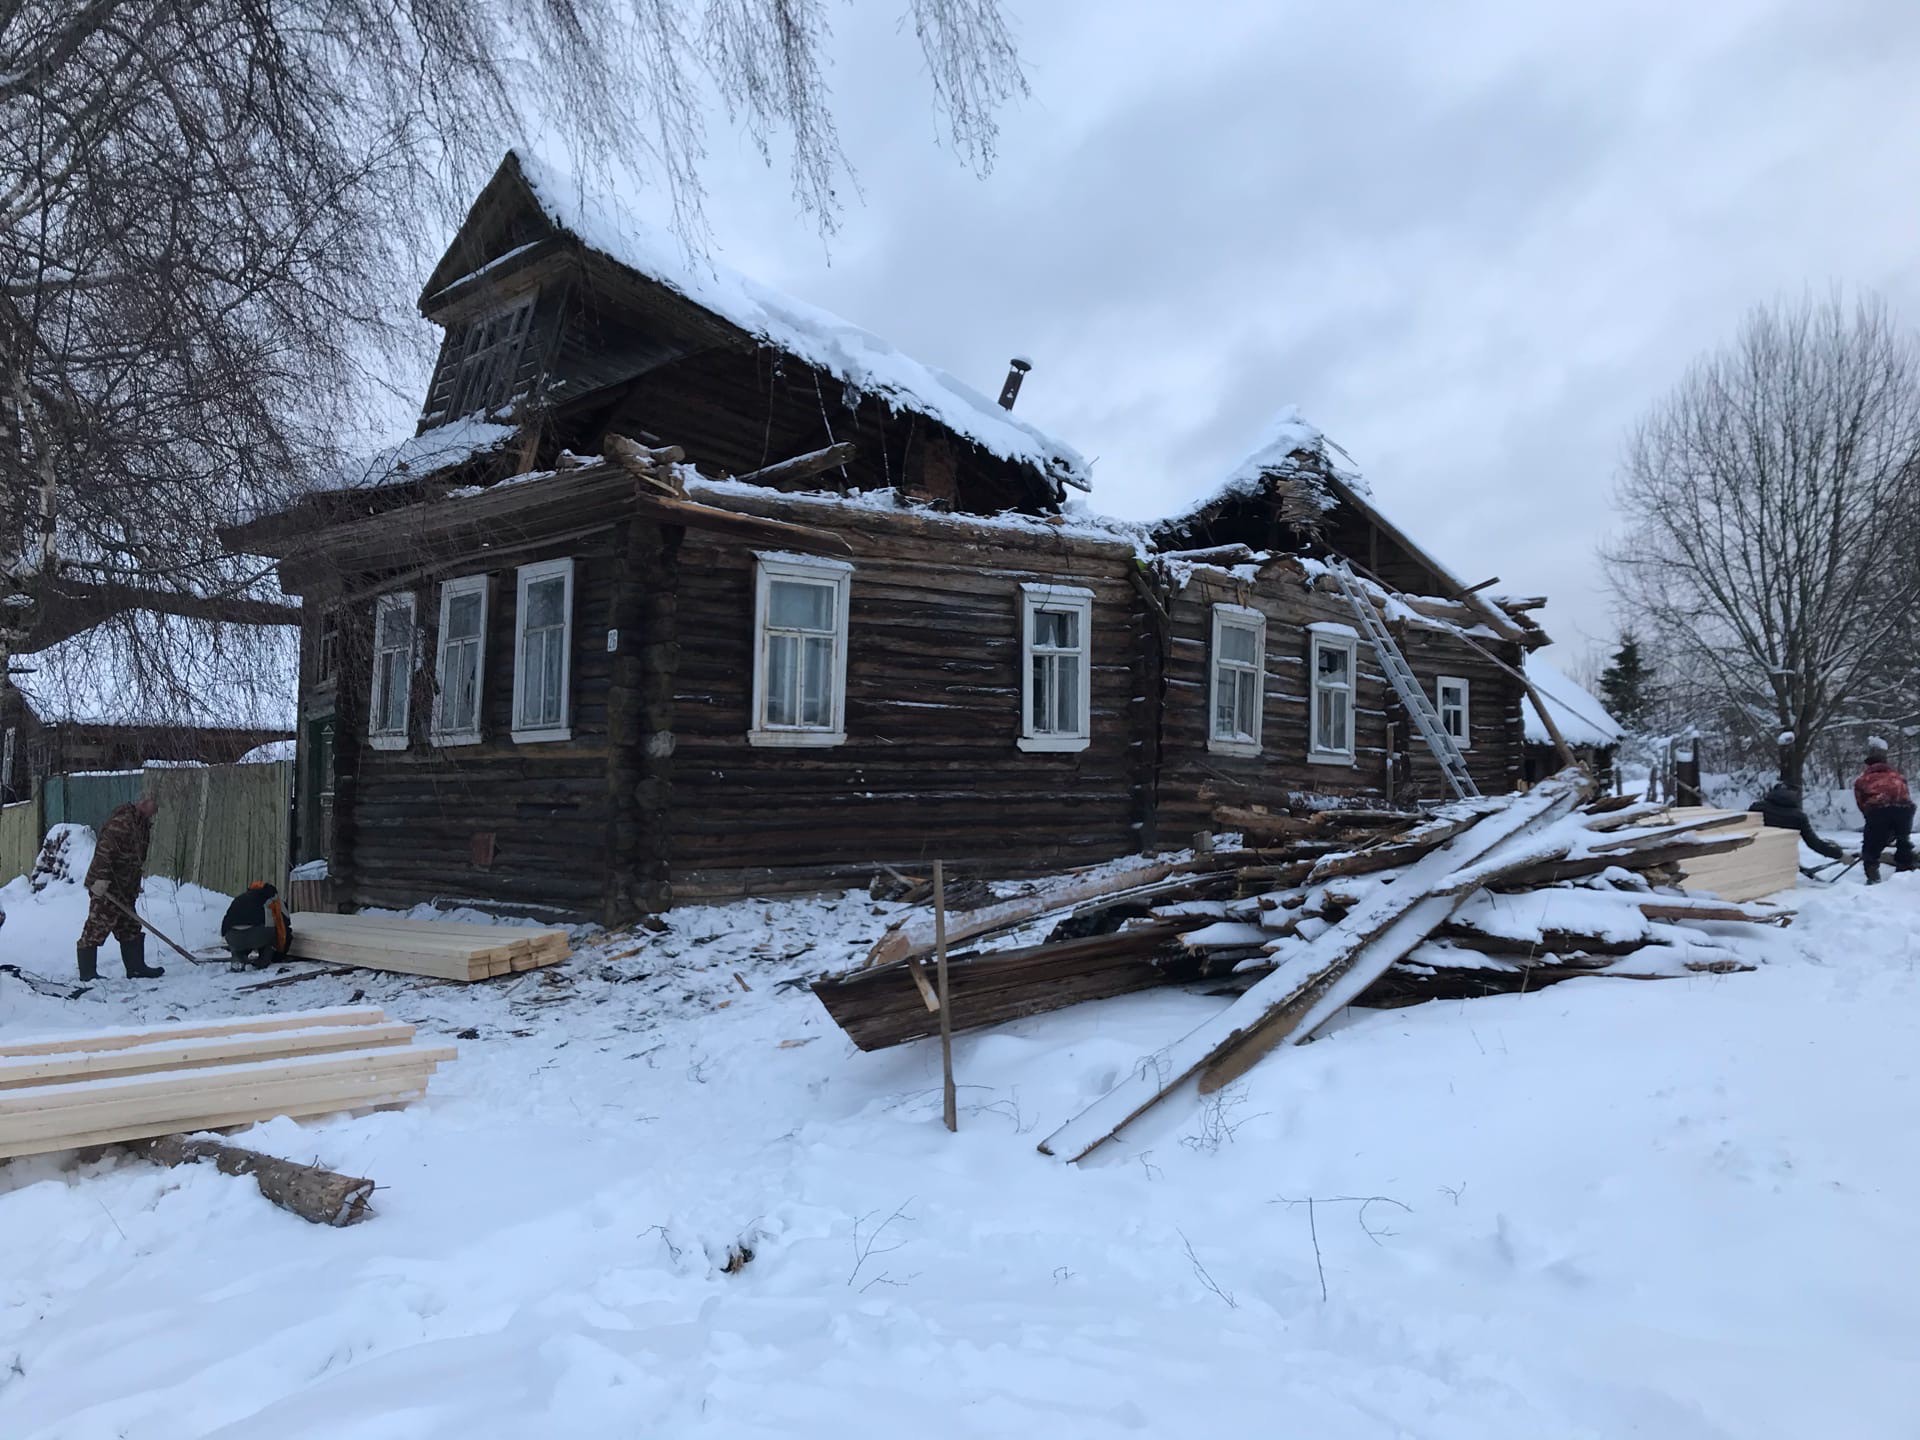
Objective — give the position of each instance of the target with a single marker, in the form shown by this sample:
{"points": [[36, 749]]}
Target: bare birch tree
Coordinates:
{"points": [[210, 210], [1770, 506]]}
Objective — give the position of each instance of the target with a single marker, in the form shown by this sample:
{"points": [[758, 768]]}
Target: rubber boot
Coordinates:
{"points": [[89, 963], [133, 954]]}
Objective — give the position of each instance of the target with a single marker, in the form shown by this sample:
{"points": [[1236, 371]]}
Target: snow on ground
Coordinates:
{"points": [[1674, 1209]]}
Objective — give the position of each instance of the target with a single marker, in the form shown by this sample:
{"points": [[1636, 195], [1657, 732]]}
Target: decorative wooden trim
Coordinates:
{"points": [[1237, 617], [1035, 597]]}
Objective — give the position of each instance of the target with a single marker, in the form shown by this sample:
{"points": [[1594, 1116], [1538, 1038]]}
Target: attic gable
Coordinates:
{"points": [[505, 222]]}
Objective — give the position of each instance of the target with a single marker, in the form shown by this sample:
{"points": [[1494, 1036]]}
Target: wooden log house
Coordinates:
{"points": [[686, 591]]}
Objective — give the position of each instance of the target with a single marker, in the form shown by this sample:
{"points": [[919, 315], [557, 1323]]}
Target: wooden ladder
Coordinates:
{"points": [[1400, 675]]}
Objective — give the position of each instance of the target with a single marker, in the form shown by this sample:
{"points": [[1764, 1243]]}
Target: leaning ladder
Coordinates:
{"points": [[1400, 675]]}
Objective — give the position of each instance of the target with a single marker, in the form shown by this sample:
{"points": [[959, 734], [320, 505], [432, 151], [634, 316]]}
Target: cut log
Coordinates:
{"points": [[320, 1196]]}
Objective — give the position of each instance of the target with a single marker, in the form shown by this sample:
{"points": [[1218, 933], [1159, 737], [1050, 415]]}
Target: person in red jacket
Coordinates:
{"points": [[1887, 807]]}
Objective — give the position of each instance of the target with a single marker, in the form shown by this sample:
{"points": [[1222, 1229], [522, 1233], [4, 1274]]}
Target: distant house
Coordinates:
{"points": [[1590, 732], [74, 707], [832, 611]]}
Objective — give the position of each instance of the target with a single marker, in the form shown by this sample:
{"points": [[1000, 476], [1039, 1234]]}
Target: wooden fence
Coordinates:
{"points": [[19, 839], [220, 826]]}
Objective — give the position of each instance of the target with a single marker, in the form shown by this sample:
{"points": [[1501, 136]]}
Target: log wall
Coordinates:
{"points": [[519, 825], [930, 767], [1195, 779]]}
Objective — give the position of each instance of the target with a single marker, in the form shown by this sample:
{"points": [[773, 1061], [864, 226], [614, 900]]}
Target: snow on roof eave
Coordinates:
{"points": [[856, 357], [1582, 719]]}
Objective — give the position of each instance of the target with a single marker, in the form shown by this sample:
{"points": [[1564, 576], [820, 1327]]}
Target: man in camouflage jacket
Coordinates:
{"points": [[118, 858]]}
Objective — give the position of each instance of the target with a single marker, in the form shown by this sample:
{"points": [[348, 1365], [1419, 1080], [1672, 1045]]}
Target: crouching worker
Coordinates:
{"points": [[1887, 811], [255, 927], [1780, 809], [113, 888]]}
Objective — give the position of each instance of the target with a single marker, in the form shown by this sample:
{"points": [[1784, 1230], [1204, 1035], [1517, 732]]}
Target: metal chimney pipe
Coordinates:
{"points": [[1010, 391]]}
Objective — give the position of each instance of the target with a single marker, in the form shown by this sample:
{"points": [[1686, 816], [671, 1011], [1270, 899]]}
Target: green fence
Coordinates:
{"points": [[86, 799], [221, 826]]}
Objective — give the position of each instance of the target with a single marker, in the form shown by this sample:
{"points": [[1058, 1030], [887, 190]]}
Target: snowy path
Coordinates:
{"points": [[1683, 1209]]}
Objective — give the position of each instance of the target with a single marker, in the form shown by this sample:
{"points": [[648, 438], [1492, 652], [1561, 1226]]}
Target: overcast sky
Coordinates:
{"points": [[1471, 241]]}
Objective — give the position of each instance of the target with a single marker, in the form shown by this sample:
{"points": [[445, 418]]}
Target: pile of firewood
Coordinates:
{"points": [[1549, 886]]}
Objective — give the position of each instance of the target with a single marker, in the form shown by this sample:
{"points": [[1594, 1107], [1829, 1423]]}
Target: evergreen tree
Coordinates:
{"points": [[1626, 685]]}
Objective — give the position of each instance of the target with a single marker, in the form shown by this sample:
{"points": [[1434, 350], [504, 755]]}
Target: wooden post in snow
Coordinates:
{"points": [[948, 1106]]}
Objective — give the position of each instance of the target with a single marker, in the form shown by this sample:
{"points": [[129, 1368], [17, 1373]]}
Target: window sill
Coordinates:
{"points": [[1328, 757], [541, 737], [1245, 748], [451, 739], [778, 739], [1054, 744], [386, 742]]}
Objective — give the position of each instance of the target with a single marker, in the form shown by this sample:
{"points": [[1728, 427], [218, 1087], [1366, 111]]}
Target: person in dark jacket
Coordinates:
{"points": [[1780, 809], [113, 887], [1887, 807], [255, 926]]}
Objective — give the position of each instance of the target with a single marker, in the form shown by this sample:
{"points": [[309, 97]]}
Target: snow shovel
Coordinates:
{"points": [[138, 919]]}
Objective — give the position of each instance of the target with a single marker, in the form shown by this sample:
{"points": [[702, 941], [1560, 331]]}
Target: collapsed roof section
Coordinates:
{"points": [[1582, 719], [1297, 493]]}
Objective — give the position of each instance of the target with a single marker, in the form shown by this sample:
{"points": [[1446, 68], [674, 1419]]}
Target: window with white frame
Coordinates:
{"points": [[1330, 669], [1239, 671], [543, 651], [800, 650], [460, 666], [1056, 669], [1450, 699], [393, 649]]}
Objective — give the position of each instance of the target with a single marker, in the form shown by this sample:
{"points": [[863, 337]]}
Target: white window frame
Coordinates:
{"points": [[376, 696], [812, 570], [1320, 637], [1236, 617], [1033, 599], [1441, 684], [450, 590], [525, 578]]}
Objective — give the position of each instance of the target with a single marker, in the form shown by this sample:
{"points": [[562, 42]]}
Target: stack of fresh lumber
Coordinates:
{"points": [[1321, 910], [65, 1091], [1768, 864], [444, 949]]}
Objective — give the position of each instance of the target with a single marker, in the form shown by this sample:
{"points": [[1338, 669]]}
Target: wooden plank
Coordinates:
{"points": [[408, 925], [199, 1053], [323, 1101], [192, 1029], [1324, 975], [262, 1098], [69, 1096], [440, 965], [915, 935]]}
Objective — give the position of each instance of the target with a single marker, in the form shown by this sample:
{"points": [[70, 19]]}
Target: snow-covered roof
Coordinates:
{"points": [[856, 357], [1582, 719], [453, 443], [1289, 447], [239, 677]]}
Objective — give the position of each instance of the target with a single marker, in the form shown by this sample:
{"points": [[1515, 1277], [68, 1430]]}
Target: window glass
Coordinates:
{"points": [[797, 605], [463, 616], [1056, 629]]}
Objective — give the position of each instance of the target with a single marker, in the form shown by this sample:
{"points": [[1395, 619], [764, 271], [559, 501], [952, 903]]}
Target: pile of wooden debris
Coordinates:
{"points": [[1315, 911]]}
